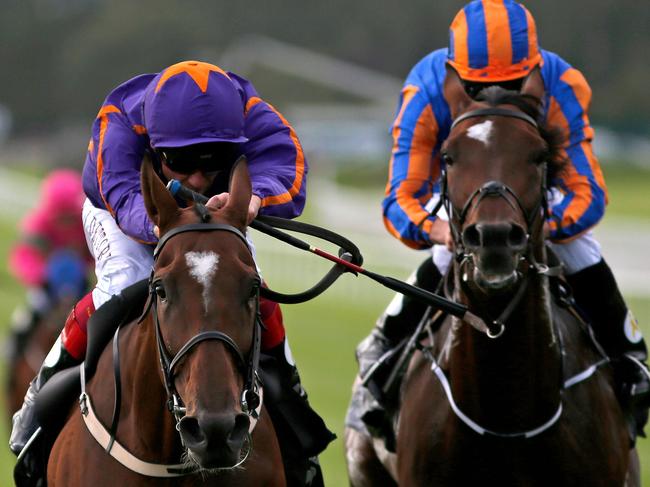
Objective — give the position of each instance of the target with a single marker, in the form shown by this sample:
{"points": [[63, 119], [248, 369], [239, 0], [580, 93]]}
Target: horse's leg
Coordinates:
{"points": [[265, 469], [77, 460], [68, 457], [633, 478]]}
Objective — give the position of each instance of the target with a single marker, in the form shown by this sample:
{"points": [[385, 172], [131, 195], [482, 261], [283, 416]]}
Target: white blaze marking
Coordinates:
{"points": [[481, 131], [202, 267]]}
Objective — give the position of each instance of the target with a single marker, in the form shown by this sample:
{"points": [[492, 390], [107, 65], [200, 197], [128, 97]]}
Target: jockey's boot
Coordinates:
{"points": [[597, 293], [301, 432], [376, 351], [68, 350]]}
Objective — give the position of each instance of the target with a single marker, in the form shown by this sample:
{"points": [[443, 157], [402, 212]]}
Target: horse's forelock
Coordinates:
{"points": [[553, 136]]}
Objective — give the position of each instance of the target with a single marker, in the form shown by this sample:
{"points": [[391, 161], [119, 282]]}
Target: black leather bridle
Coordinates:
{"points": [[250, 398], [491, 188], [499, 190]]}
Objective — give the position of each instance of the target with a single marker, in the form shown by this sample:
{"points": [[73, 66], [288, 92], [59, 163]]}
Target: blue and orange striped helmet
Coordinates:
{"points": [[492, 41]]}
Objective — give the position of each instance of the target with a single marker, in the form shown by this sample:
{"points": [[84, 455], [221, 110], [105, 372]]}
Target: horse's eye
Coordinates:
{"points": [[159, 289], [540, 157], [446, 158]]}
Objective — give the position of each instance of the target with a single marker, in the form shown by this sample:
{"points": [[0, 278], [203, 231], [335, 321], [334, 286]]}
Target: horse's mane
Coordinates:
{"points": [[553, 136]]}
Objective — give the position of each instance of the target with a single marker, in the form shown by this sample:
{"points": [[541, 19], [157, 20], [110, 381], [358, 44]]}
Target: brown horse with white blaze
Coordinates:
{"points": [[194, 352], [529, 401]]}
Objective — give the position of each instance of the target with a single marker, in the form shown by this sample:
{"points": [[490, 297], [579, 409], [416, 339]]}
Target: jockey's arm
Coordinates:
{"points": [[413, 170], [116, 154], [581, 194], [276, 161]]}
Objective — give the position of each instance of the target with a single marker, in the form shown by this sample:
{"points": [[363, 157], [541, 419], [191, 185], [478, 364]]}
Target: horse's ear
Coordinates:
{"points": [[240, 189], [160, 204], [454, 92], [533, 85]]}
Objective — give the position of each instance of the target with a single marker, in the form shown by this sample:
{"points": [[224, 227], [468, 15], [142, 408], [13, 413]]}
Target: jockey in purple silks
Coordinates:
{"points": [[194, 120], [494, 42]]}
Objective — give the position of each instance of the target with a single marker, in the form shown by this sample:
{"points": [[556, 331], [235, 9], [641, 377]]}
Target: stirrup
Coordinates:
{"points": [[643, 376]]}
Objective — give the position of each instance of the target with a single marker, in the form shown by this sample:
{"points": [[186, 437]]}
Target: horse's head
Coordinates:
{"points": [[497, 158], [204, 303]]}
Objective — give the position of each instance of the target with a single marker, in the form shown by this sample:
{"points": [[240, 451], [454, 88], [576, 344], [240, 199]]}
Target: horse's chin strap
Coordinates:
{"points": [[494, 328]]}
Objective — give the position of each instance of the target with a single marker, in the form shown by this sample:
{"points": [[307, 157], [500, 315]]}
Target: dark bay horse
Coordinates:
{"points": [[195, 352], [530, 402]]}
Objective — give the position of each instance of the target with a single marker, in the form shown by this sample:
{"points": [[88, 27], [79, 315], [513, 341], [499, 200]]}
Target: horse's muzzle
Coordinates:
{"points": [[496, 249], [215, 440]]}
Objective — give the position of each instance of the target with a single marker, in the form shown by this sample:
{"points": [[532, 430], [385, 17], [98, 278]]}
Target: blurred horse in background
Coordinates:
{"points": [[66, 283]]}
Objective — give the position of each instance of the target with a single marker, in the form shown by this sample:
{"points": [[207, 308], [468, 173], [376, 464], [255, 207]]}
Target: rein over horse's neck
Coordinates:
{"points": [[512, 382], [146, 425]]}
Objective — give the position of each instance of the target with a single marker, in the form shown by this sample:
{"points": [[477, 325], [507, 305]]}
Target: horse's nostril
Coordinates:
{"points": [[493, 235], [191, 431], [239, 431], [471, 237], [517, 238]]}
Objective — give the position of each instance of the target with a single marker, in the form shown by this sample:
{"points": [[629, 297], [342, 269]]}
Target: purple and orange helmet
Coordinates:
{"points": [[493, 41], [193, 102]]}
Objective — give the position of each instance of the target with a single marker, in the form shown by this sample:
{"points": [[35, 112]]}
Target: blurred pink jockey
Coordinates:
{"points": [[53, 225]]}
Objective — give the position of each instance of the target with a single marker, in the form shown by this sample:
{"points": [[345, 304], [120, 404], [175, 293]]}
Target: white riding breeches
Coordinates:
{"points": [[119, 260]]}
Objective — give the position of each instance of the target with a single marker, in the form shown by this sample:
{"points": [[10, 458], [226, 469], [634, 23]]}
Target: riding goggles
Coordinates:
{"points": [[205, 158]]}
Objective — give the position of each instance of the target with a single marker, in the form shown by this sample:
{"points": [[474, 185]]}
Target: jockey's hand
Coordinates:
{"points": [[547, 230], [220, 200], [156, 231], [254, 207], [441, 233]]}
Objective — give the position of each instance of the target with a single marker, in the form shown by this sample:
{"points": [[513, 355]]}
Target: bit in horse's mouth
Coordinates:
{"points": [[190, 461], [494, 281]]}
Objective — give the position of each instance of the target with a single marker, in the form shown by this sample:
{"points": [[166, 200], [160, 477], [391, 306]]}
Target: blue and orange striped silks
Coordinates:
{"points": [[423, 121]]}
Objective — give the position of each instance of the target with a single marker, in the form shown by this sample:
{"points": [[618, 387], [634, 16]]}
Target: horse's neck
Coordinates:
{"points": [[516, 374], [146, 422]]}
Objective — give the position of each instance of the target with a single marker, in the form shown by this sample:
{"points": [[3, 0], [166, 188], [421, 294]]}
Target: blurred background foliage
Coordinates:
{"points": [[60, 57]]}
